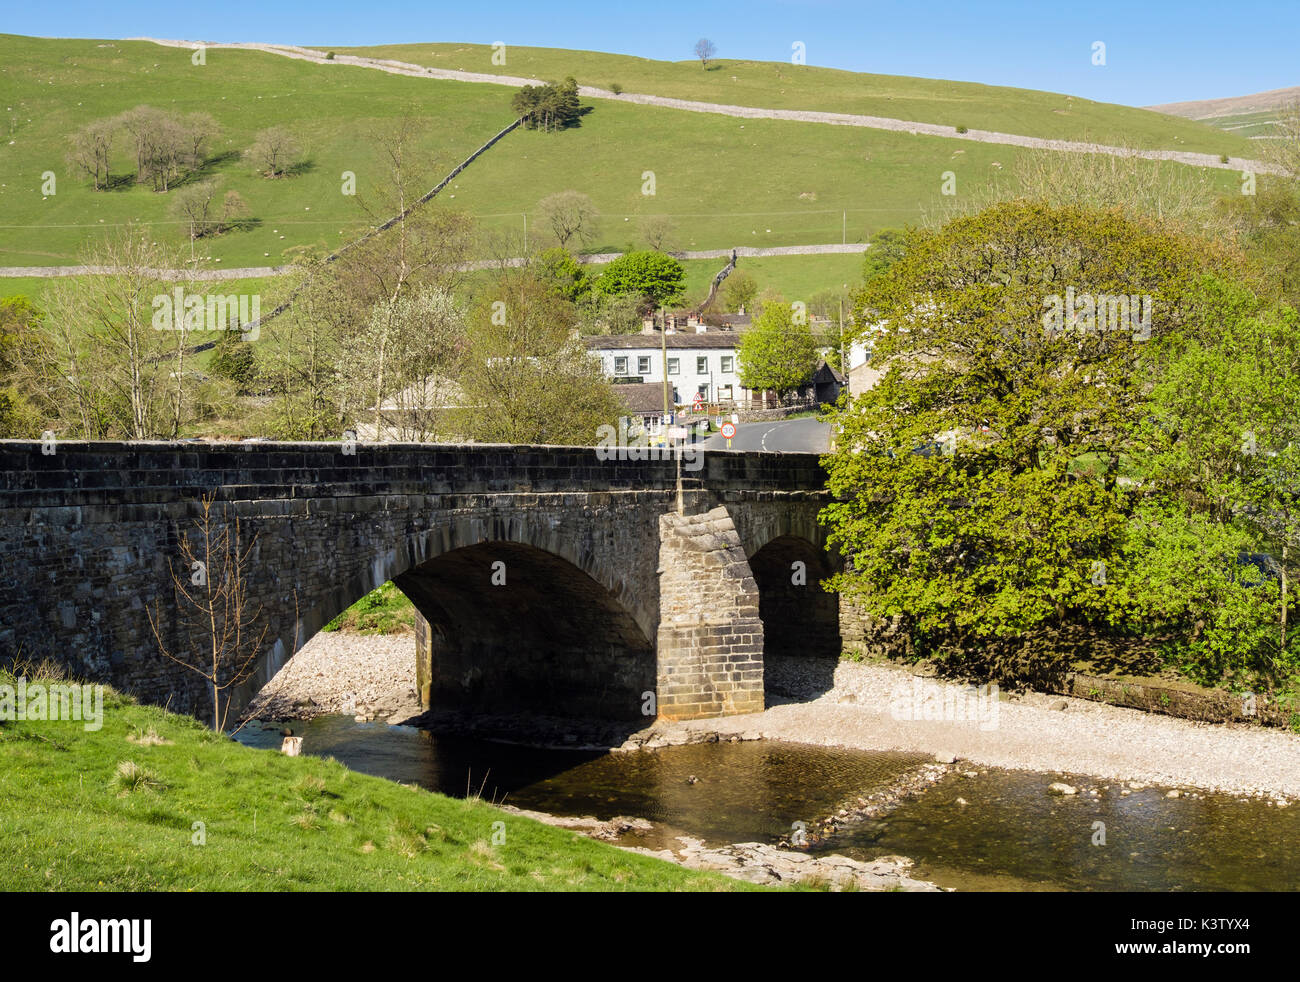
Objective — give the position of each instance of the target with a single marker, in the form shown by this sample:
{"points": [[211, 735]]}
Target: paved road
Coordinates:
{"points": [[804, 435]]}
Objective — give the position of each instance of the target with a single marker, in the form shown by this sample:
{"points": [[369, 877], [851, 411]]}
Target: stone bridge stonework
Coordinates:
{"points": [[545, 578]]}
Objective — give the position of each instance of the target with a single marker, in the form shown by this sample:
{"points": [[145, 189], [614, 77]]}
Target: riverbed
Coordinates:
{"points": [[974, 828]]}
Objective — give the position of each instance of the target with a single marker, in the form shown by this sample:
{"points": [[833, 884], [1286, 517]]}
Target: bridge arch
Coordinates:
{"points": [[482, 629]]}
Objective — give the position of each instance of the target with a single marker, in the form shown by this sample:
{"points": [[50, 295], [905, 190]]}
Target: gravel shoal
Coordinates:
{"points": [[869, 706], [338, 672]]}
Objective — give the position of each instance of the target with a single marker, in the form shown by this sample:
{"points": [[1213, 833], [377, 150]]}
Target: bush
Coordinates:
{"points": [[961, 129], [329, 56], [615, 88]]}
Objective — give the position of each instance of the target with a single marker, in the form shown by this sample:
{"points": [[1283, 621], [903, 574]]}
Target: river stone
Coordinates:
{"points": [[1058, 787]]}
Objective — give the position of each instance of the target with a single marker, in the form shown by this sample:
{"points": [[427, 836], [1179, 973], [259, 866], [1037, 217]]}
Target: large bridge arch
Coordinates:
{"points": [[512, 627], [626, 591]]}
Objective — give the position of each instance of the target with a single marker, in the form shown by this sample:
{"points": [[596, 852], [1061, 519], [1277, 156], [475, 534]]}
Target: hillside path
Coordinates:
{"points": [[247, 272], [747, 112]]}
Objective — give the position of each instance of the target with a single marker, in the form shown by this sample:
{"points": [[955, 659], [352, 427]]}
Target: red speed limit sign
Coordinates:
{"points": [[728, 430]]}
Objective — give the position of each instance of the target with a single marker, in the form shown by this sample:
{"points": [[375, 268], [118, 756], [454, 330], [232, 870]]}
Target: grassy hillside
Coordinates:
{"points": [[724, 182], [70, 821], [781, 85]]}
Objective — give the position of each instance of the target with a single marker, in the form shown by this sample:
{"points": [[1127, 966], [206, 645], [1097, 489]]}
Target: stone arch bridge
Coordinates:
{"points": [[545, 577]]}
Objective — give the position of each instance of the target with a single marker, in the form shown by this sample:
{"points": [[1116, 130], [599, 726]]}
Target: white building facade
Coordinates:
{"points": [[699, 362]]}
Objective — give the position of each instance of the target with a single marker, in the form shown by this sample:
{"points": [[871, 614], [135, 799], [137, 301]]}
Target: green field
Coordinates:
{"points": [[723, 182], [269, 822], [1260, 124], [782, 85]]}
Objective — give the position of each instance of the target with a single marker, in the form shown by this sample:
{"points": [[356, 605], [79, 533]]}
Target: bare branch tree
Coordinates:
{"points": [[274, 151], [571, 214], [221, 641], [92, 147], [704, 50]]}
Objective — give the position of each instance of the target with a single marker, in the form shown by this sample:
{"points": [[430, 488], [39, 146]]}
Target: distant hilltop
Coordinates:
{"points": [[1233, 105]]}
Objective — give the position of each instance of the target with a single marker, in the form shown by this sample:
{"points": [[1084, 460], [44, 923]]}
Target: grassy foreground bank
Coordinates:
{"points": [[154, 801]]}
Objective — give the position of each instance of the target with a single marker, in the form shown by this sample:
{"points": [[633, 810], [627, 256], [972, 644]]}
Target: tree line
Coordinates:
{"points": [[168, 148]]}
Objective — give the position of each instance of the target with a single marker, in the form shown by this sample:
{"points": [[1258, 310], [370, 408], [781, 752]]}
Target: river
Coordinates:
{"points": [[993, 830]]}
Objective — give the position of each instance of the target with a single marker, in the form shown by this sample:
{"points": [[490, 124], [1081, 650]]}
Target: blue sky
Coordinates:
{"points": [[1156, 50]]}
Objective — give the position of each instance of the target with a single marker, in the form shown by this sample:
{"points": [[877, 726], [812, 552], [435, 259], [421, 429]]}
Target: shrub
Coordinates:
{"points": [[130, 777], [961, 129], [329, 56], [615, 88]]}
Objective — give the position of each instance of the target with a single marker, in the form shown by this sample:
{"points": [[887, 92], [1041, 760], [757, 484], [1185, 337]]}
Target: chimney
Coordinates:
{"points": [[701, 329]]}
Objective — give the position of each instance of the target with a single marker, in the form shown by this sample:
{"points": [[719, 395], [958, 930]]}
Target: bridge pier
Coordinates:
{"points": [[710, 642]]}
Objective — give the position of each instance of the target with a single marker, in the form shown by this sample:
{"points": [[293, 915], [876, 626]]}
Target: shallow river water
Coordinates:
{"points": [[1009, 834]]}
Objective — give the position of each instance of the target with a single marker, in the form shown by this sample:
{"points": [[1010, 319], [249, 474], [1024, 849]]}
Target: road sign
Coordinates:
{"points": [[697, 403], [728, 430]]}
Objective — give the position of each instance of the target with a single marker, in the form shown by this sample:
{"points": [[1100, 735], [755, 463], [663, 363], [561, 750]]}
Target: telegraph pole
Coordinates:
{"points": [[663, 344]]}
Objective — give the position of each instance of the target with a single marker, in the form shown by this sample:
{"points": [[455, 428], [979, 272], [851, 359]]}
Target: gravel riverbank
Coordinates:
{"points": [[866, 706]]}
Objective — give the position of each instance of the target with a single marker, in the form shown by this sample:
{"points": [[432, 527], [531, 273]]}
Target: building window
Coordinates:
{"points": [[643, 365], [702, 365], [726, 363], [725, 393], [674, 366], [620, 366]]}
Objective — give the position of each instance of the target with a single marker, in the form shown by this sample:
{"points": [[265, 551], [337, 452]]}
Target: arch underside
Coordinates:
{"points": [[513, 628], [799, 617]]}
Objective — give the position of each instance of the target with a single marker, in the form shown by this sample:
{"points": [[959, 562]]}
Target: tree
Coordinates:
{"points": [[601, 314], [548, 107], [143, 124], [300, 357], [399, 367], [92, 148], [978, 484], [107, 362], [1267, 225], [274, 151], [888, 246], [656, 279], [1220, 442], [739, 290], [704, 50], [218, 626], [778, 352], [19, 322], [527, 376], [563, 274], [167, 146], [658, 231], [233, 359], [571, 215], [196, 204]]}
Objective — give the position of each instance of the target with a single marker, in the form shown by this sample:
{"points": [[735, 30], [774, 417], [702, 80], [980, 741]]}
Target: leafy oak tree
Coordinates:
{"points": [[657, 279], [978, 485]]}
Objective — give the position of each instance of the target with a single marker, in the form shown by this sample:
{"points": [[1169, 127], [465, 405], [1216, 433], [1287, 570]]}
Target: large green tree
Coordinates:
{"points": [[778, 352], [657, 279], [978, 485]]}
